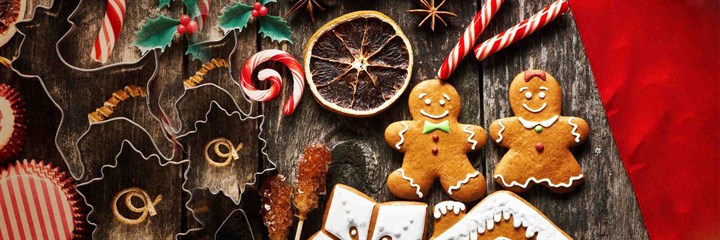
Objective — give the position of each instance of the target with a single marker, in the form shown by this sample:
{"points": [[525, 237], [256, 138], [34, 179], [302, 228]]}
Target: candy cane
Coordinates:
{"points": [[521, 30], [467, 41], [109, 31], [204, 8], [274, 77]]}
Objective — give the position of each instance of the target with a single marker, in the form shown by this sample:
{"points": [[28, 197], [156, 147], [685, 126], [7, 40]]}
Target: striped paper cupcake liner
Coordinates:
{"points": [[38, 201]]}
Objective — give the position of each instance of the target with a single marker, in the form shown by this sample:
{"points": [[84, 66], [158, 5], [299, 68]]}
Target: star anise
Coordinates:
{"points": [[432, 12], [309, 5]]}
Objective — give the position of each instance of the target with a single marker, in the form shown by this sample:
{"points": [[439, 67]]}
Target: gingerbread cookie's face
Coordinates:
{"points": [[535, 95], [434, 100]]}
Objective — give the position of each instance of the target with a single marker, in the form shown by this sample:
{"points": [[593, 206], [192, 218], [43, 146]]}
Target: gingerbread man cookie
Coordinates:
{"points": [[435, 146], [538, 138]]}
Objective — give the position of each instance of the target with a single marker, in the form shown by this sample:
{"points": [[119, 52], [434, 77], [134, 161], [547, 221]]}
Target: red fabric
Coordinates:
{"points": [[656, 64]]}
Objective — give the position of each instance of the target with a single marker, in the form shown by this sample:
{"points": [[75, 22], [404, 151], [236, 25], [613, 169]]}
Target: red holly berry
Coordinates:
{"points": [[254, 13], [181, 29], [192, 27], [263, 11], [184, 20], [257, 6]]}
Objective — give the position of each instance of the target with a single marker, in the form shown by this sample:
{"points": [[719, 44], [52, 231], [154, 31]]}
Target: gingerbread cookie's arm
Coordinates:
{"points": [[499, 131], [475, 136], [396, 135], [579, 130]]}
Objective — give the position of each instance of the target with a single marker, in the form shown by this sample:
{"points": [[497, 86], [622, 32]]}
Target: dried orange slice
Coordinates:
{"points": [[358, 64]]}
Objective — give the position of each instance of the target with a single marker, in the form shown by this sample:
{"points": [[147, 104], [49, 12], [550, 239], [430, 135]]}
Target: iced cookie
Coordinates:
{"points": [[350, 214], [435, 146], [502, 215], [538, 138]]}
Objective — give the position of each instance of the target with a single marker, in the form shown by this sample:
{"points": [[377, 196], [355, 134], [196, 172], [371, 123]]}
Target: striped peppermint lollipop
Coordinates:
{"points": [[468, 39], [109, 31], [521, 30], [274, 77]]}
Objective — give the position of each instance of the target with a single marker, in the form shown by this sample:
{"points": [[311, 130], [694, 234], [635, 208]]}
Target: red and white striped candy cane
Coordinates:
{"points": [[109, 31], [467, 41], [521, 30], [204, 7], [274, 77]]}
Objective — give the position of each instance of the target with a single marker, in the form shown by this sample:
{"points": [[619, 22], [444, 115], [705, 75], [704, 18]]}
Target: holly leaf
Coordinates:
{"points": [[198, 51], [163, 3], [263, 2], [156, 33], [235, 17], [191, 8], [275, 28]]}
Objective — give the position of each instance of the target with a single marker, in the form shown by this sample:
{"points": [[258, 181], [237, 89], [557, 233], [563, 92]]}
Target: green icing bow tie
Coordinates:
{"points": [[443, 126]]}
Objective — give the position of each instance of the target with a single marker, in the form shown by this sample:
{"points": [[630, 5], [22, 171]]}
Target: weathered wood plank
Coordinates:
{"points": [[362, 159], [605, 206]]}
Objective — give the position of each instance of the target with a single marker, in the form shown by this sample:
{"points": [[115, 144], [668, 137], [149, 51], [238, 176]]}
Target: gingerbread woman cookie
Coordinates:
{"points": [[435, 146], [538, 138]]}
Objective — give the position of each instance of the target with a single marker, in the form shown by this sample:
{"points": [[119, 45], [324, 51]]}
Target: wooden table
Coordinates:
{"points": [[603, 208]]}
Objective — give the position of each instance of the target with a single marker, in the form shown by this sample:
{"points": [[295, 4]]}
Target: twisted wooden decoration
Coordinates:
{"points": [[231, 154], [100, 114], [147, 209], [206, 67]]}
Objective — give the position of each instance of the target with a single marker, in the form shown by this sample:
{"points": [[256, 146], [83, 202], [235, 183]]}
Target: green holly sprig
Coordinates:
{"points": [[238, 16], [158, 32]]}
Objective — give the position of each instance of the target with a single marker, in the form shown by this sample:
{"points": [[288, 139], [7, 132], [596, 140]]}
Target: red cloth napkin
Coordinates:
{"points": [[657, 66]]}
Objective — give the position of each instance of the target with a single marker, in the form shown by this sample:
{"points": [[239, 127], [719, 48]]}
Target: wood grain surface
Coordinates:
{"points": [[603, 208]]}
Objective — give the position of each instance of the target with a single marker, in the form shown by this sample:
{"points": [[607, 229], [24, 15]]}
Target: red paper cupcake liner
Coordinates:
{"points": [[18, 126], [39, 201]]}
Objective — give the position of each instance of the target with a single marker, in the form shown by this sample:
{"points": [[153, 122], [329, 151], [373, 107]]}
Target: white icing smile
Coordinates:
{"points": [[437, 116], [535, 110]]}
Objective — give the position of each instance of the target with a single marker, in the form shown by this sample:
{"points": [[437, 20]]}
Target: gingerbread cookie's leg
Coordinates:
{"points": [[463, 182], [410, 183]]}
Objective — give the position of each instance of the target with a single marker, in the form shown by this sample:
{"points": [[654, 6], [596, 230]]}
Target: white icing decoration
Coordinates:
{"points": [[446, 96], [535, 110], [528, 95], [402, 138], [428, 101], [523, 89], [321, 236], [541, 95], [434, 116], [544, 88], [400, 221], [348, 209], [463, 182], [574, 130], [412, 182], [498, 206], [545, 123], [470, 138], [422, 95], [442, 102], [533, 179], [353, 232], [442, 208], [502, 128], [502, 238]]}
